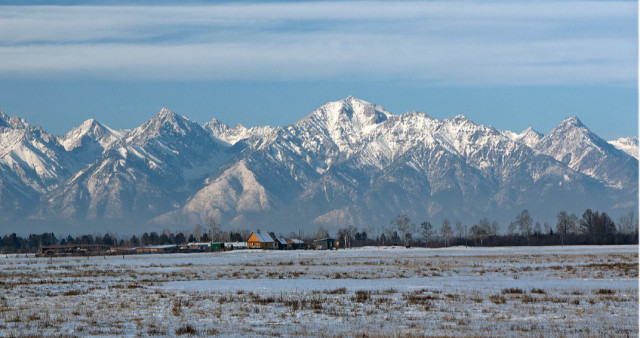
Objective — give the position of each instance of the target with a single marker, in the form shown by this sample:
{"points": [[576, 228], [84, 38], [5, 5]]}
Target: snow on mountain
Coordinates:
{"points": [[627, 144], [349, 162], [341, 123], [152, 170], [424, 167], [238, 133], [90, 131], [88, 141], [32, 162], [529, 137], [573, 144], [33, 155]]}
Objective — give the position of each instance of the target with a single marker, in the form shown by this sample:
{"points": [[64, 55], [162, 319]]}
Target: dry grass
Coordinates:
{"points": [[131, 299]]}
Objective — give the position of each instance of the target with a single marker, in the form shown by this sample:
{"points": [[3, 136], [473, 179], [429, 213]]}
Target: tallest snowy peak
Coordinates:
{"points": [[165, 113], [572, 121], [349, 110]]}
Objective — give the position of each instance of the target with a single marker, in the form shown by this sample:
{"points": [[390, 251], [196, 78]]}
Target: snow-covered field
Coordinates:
{"points": [[541, 291]]}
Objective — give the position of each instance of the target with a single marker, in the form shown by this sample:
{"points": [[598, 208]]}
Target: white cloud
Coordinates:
{"points": [[442, 42]]}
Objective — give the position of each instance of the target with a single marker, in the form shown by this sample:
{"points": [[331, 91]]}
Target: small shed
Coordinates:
{"points": [[261, 241], [325, 244], [217, 246], [296, 244]]}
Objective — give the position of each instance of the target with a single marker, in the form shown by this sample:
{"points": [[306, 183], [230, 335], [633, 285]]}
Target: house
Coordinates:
{"points": [[296, 244], [325, 244], [281, 242], [261, 241]]}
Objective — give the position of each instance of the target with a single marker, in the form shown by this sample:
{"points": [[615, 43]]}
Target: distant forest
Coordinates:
{"points": [[592, 228]]}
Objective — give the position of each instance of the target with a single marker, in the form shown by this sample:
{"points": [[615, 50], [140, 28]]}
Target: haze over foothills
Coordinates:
{"points": [[504, 66]]}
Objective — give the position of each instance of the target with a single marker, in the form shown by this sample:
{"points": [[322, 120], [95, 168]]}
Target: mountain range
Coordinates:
{"points": [[349, 162]]}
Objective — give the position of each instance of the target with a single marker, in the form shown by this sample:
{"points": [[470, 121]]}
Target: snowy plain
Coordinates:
{"points": [[531, 291]]}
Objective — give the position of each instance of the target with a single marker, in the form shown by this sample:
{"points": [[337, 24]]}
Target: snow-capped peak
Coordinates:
{"points": [[529, 136], [569, 122], [344, 122], [575, 145], [350, 109], [90, 130], [164, 122], [223, 132], [627, 144], [13, 122]]}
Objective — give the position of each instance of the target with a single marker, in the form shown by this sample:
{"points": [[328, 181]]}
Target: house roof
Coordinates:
{"points": [[263, 237], [281, 240], [295, 241]]}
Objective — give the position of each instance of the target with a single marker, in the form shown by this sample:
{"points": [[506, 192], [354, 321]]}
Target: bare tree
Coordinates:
{"points": [[322, 233], [346, 234], [524, 221], [461, 229], [198, 232], [512, 228], [627, 224], [566, 224], [478, 232], [214, 229], [404, 225], [446, 231], [537, 230]]}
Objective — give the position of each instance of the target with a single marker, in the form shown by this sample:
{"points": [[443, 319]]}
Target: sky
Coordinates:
{"points": [[510, 64]]}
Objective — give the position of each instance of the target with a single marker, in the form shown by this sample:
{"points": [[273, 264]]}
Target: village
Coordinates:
{"points": [[257, 240]]}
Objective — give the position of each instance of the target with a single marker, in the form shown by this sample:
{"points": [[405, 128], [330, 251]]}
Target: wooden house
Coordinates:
{"points": [[296, 244], [325, 244], [261, 241]]}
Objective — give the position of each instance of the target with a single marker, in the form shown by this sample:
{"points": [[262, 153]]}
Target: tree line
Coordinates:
{"points": [[592, 227]]}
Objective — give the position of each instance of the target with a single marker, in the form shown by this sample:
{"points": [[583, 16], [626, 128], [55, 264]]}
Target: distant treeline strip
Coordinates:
{"points": [[593, 228]]}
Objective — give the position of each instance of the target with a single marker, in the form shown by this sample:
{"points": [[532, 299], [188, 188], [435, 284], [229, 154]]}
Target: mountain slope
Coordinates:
{"points": [[349, 162], [150, 171], [573, 144]]}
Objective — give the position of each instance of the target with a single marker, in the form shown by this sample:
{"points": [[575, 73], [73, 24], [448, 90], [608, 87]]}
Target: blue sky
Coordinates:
{"points": [[510, 64]]}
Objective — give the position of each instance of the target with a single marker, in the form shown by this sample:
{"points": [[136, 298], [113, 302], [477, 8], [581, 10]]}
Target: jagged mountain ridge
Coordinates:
{"points": [[151, 170], [348, 162]]}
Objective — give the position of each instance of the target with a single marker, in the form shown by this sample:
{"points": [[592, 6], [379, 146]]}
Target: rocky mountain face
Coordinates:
{"points": [[349, 162]]}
